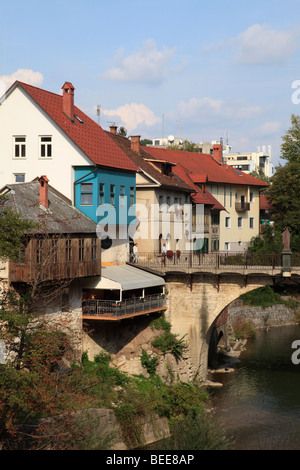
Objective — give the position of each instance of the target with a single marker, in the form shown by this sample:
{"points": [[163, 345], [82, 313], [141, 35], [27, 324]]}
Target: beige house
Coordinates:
{"points": [[171, 209], [236, 191]]}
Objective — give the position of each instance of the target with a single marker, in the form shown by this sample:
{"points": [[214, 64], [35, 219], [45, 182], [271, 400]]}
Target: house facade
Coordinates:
{"points": [[60, 252], [45, 133], [237, 192], [171, 209]]}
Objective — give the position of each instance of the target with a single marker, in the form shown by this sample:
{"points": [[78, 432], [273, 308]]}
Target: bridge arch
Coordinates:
{"points": [[195, 301]]}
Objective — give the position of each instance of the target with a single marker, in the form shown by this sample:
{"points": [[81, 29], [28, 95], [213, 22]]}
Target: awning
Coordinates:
{"points": [[123, 277]]}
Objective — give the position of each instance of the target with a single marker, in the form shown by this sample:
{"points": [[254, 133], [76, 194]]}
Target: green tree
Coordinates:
{"points": [[145, 142], [290, 147], [186, 146], [12, 232], [284, 194], [122, 131], [260, 175]]}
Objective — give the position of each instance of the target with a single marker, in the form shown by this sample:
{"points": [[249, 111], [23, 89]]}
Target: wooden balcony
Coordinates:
{"points": [[120, 310], [54, 259], [242, 206]]}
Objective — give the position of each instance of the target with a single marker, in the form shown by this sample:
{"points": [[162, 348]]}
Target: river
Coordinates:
{"points": [[259, 403]]}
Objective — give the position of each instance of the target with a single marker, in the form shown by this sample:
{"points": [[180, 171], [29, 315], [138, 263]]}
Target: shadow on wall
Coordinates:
{"points": [[115, 337]]}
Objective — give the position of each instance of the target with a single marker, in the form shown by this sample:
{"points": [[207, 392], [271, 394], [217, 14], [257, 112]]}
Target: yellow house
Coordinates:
{"points": [[236, 191]]}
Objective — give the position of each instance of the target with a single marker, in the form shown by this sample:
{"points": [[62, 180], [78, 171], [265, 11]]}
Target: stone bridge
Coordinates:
{"points": [[199, 292]]}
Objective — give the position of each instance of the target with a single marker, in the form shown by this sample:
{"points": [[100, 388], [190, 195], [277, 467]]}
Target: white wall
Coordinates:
{"points": [[20, 115]]}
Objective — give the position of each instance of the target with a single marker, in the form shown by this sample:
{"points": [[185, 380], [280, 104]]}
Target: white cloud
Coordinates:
{"points": [[200, 110], [132, 115], [268, 128], [23, 75], [261, 45], [147, 65]]}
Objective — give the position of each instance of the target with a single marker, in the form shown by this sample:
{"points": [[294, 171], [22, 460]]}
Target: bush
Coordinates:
{"points": [[196, 432], [263, 297]]}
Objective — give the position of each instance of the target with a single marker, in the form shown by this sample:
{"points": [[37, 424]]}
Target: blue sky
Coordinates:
{"points": [[195, 69]]}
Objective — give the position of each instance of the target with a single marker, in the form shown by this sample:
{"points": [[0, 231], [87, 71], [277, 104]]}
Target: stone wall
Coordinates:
{"points": [[275, 315]]}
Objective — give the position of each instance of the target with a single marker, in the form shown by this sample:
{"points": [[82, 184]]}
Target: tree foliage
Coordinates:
{"points": [[284, 194], [186, 146], [12, 231], [290, 147]]}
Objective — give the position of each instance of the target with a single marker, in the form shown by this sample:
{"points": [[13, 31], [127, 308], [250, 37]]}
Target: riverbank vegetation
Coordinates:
{"points": [[267, 296], [39, 385]]}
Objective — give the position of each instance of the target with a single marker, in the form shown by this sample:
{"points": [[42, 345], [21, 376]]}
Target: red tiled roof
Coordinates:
{"points": [[84, 132], [142, 161], [264, 203], [199, 164], [199, 197]]}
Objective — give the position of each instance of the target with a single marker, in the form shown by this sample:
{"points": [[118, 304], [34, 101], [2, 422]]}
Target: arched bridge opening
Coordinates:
{"points": [[197, 299]]}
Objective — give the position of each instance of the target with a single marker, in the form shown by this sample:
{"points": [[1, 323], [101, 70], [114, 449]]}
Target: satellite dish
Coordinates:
{"points": [[171, 138]]}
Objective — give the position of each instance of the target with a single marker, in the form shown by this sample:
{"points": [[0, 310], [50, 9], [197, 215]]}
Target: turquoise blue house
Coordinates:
{"points": [[112, 189]]}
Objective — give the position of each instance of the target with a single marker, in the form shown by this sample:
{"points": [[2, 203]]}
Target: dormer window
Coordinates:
{"points": [[167, 169]]}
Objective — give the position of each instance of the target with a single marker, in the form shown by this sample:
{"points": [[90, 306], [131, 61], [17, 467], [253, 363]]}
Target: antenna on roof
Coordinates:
{"points": [[98, 113]]}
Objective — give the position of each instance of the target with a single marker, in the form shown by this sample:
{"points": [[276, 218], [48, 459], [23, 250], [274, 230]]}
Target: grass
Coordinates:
{"points": [[265, 297]]}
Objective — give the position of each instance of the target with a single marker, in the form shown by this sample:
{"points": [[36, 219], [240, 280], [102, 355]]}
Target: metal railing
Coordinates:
{"points": [[98, 308], [190, 259]]}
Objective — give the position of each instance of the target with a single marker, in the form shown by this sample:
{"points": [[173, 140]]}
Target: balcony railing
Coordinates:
{"points": [[125, 308], [242, 206], [218, 260]]}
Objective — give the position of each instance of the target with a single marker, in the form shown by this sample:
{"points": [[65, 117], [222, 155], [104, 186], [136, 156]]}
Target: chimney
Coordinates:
{"points": [[218, 153], [68, 100], [43, 180], [135, 143], [113, 129]]}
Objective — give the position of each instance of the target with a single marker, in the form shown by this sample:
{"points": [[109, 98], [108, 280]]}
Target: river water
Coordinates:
{"points": [[259, 403]]}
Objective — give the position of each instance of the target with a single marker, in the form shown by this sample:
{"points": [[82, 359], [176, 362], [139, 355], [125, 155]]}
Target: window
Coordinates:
{"points": [[215, 218], [19, 178], [112, 194], [19, 147], [81, 249], [251, 222], [161, 201], [94, 249], [227, 222], [251, 196], [240, 222], [68, 251], [39, 251], [101, 194], [46, 147], [122, 196], [131, 196], [86, 194], [227, 246], [54, 251]]}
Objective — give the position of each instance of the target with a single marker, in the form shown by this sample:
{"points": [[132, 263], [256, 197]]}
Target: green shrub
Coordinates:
{"points": [[150, 364], [263, 297]]}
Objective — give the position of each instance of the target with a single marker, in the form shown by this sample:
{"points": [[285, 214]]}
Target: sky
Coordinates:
{"points": [[194, 69]]}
